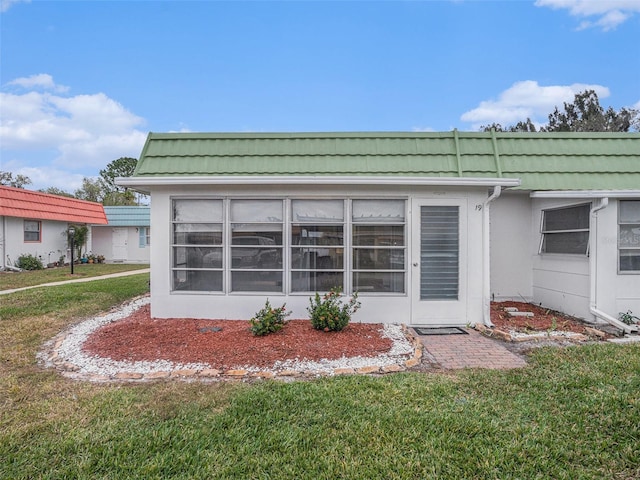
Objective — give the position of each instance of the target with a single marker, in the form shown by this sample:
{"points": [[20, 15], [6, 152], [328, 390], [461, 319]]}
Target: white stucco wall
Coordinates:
{"points": [[102, 244], [53, 243], [375, 308], [512, 247], [560, 282]]}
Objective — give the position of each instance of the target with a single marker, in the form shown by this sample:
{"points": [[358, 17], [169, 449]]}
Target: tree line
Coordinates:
{"points": [[585, 114], [102, 189]]}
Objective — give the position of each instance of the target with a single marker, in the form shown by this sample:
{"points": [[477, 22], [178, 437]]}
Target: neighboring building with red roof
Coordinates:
{"points": [[34, 223]]}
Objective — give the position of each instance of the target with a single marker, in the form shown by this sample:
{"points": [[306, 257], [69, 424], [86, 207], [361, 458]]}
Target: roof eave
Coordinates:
{"points": [[145, 182], [585, 194]]}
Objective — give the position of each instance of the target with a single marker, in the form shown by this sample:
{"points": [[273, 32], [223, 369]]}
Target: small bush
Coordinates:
{"points": [[329, 313], [26, 261], [269, 320]]}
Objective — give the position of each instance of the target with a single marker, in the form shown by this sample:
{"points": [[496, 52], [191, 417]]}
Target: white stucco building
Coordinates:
{"points": [[427, 227]]}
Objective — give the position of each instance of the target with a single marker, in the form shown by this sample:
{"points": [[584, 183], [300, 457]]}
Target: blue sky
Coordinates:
{"points": [[83, 82]]}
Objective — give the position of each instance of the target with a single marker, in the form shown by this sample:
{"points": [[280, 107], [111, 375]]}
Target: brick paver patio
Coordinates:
{"points": [[469, 351]]}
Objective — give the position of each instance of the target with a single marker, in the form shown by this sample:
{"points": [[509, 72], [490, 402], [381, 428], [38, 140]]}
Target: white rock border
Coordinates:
{"points": [[64, 352]]}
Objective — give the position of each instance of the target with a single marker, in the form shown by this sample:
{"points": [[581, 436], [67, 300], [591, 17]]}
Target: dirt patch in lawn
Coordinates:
{"points": [[225, 344]]}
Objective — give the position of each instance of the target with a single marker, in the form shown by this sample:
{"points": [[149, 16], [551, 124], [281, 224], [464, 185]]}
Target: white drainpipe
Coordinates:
{"points": [[593, 270], [486, 258]]}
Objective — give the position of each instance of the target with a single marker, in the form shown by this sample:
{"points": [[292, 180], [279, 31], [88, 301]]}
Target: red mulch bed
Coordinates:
{"points": [[543, 320], [140, 337]]}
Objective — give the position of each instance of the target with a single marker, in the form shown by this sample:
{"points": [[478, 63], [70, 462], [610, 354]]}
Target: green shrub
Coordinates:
{"points": [[26, 261], [269, 319], [329, 313]]}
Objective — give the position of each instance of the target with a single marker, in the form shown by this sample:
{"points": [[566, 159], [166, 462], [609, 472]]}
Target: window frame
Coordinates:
{"points": [[230, 246], [354, 247], [620, 248], [173, 244], [550, 232], [38, 231]]}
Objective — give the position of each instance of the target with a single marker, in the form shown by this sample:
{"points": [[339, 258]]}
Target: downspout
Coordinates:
{"points": [[486, 258], [593, 270]]}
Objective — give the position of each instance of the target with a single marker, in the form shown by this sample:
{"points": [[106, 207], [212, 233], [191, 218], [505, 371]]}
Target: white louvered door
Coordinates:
{"points": [[438, 261]]}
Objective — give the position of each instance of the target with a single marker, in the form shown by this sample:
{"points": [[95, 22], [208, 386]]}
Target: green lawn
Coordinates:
{"points": [[572, 413], [11, 280]]}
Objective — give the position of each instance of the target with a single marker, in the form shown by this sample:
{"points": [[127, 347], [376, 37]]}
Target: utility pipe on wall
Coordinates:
{"points": [[593, 270], [486, 257]]}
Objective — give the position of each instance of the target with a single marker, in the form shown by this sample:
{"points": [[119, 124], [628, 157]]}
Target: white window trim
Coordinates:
{"points": [[621, 249]]}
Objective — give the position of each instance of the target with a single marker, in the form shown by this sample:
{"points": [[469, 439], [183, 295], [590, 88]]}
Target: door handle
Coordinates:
{"points": [[415, 264]]}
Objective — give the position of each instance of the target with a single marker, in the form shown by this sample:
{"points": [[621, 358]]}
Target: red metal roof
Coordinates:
{"points": [[17, 202]]}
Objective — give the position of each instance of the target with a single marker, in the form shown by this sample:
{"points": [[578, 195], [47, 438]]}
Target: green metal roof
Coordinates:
{"points": [[128, 216], [543, 161]]}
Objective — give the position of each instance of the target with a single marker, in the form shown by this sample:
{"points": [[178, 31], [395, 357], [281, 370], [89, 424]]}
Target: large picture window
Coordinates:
{"points": [[279, 245], [566, 230], [317, 245], [32, 231], [629, 236], [198, 258], [378, 245]]}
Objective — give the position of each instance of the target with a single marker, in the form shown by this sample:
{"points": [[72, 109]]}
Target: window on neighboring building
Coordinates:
{"points": [[256, 245], [144, 239], [629, 236], [32, 231], [317, 245], [378, 245], [566, 230], [197, 245]]}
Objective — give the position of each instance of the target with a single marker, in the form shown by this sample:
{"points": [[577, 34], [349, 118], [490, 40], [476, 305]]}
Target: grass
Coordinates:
{"points": [[572, 413], [11, 280]]}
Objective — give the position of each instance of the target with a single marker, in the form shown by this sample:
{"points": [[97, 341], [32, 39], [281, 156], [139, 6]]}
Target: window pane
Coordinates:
{"points": [[378, 235], [378, 259], [256, 211], [571, 218], [31, 226], [199, 281], [197, 257], [250, 257], [439, 252], [378, 282], [197, 234], [317, 235], [317, 210], [316, 281], [31, 236], [378, 211], [252, 234], [317, 258], [630, 260], [256, 281], [197, 210], [629, 236], [630, 211], [571, 243]]}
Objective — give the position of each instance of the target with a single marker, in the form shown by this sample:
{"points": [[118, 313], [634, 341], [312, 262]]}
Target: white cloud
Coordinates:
{"points": [[609, 13], [423, 129], [6, 4], [82, 130], [42, 80], [525, 100]]}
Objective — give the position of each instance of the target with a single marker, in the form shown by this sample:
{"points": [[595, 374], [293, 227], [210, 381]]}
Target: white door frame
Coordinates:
{"points": [[438, 312]]}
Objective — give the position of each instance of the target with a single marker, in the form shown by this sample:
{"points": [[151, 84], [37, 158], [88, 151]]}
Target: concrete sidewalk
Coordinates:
{"points": [[78, 280]]}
